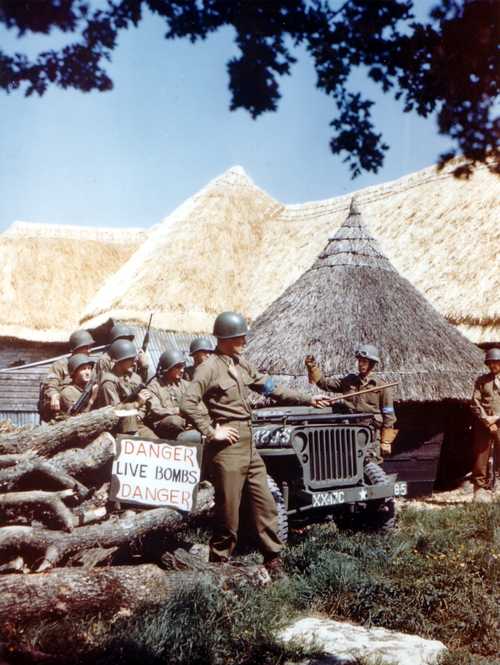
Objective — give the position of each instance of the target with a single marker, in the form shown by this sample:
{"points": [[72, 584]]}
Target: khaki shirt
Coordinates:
{"points": [[486, 398], [115, 389], [70, 394], [105, 366], [57, 377], [380, 404], [223, 385], [164, 398]]}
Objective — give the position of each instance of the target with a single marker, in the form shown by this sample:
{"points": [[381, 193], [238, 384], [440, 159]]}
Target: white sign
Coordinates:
{"points": [[155, 473]]}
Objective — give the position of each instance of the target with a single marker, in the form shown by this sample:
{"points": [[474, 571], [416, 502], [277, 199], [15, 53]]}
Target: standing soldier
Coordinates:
{"points": [[379, 403], [486, 406], [80, 367], [199, 350], [49, 405], [222, 383], [164, 393], [105, 362], [122, 384]]}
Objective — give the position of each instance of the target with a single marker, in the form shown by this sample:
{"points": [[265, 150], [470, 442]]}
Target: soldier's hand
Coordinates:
{"points": [[142, 359], [385, 448], [93, 392], [225, 433], [55, 403], [493, 428], [319, 401]]}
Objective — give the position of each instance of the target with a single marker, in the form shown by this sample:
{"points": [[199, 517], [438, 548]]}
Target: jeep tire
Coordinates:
{"points": [[380, 513]]}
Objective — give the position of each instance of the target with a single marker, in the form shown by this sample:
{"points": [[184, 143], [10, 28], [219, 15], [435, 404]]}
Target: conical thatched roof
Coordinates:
{"points": [[440, 232], [196, 263], [353, 295], [49, 272]]}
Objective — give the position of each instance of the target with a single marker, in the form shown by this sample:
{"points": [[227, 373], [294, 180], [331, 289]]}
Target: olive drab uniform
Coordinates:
{"points": [[70, 394], [380, 404], [52, 384], [218, 394], [105, 365], [163, 400], [115, 389], [485, 404]]}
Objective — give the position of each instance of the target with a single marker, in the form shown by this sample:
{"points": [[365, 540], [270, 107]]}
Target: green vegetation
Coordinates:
{"points": [[436, 576]]}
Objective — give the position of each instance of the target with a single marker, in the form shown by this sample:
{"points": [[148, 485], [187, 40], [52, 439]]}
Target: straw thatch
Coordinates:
{"points": [[198, 262], [49, 272], [441, 233], [353, 295]]}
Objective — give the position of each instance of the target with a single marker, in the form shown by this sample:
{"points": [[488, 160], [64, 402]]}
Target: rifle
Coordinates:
{"points": [[84, 398], [145, 341]]}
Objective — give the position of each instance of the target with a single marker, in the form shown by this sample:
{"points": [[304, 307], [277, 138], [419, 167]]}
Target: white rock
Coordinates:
{"points": [[346, 642]]}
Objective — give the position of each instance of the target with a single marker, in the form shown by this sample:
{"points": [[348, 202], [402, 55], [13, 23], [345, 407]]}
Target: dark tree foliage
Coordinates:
{"points": [[448, 64]]}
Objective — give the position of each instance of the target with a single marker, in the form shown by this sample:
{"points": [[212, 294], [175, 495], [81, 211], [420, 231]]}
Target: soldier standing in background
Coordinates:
{"points": [[221, 384], [379, 403], [199, 350], [49, 405], [105, 362], [123, 384], [164, 393], [80, 367], [486, 406]]}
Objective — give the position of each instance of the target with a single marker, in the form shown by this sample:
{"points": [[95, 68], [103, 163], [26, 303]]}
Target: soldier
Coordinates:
{"points": [[80, 367], [486, 406], [122, 384], [200, 349], [105, 362], [222, 383], [379, 403], [164, 393], [49, 406]]}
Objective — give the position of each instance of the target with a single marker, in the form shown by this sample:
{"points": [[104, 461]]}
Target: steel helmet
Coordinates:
{"points": [[170, 358], [122, 349], [230, 324], [492, 354], [369, 352], [121, 331], [201, 344], [77, 361], [79, 339]]}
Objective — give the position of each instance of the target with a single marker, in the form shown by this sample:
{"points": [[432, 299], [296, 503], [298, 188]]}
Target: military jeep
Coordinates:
{"points": [[317, 460]]}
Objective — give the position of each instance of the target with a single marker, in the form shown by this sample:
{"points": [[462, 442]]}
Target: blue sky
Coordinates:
{"points": [[129, 157]]}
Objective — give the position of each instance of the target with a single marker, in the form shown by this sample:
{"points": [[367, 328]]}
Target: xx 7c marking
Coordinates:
{"points": [[328, 499]]}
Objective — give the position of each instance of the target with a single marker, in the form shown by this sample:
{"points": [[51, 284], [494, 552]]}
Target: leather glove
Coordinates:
{"points": [[387, 437], [313, 371]]}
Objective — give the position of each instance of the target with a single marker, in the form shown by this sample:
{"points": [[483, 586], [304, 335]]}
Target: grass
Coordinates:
{"points": [[436, 576]]}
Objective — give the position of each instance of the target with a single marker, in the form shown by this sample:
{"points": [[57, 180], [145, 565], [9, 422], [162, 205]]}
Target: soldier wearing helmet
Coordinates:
{"points": [[486, 407], [80, 367], [105, 362], [216, 401], [164, 395], [199, 350], [58, 376], [121, 385], [379, 403]]}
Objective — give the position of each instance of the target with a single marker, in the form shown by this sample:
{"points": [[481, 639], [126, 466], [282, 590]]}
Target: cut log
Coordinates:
{"points": [[83, 463], [104, 591], [54, 547], [49, 439], [48, 501], [26, 466]]}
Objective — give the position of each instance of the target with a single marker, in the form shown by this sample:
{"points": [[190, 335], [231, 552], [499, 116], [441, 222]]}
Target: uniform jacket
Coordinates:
{"points": [[71, 394], [105, 365], [380, 404], [115, 389], [486, 397], [56, 378], [223, 383], [164, 398]]}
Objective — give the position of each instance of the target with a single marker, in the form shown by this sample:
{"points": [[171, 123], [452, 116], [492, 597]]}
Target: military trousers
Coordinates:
{"points": [[483, 441], [235, 469], [169, 427]]}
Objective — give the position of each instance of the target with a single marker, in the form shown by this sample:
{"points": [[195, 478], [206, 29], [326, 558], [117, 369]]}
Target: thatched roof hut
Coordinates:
{"points": [[49, 272], [440, 232], [353, 295], [197, 262]]}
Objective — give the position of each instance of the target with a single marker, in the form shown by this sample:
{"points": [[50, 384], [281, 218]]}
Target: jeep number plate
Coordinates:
{"points": [[328, 498]]}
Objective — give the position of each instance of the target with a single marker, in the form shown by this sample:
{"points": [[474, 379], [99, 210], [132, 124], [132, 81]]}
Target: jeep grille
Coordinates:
{"points": [[330, 455]]}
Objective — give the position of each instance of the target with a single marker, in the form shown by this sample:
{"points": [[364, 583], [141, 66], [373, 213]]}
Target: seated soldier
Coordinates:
{"points": [[200, 349], [105, 362], [164, 393], [80, 367], [123, 385], [378, 403], [49, 405]]}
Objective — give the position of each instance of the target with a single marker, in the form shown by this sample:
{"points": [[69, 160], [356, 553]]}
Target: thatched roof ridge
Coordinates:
{"points": [[49, 272], [345, 300], [195, 263]]}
